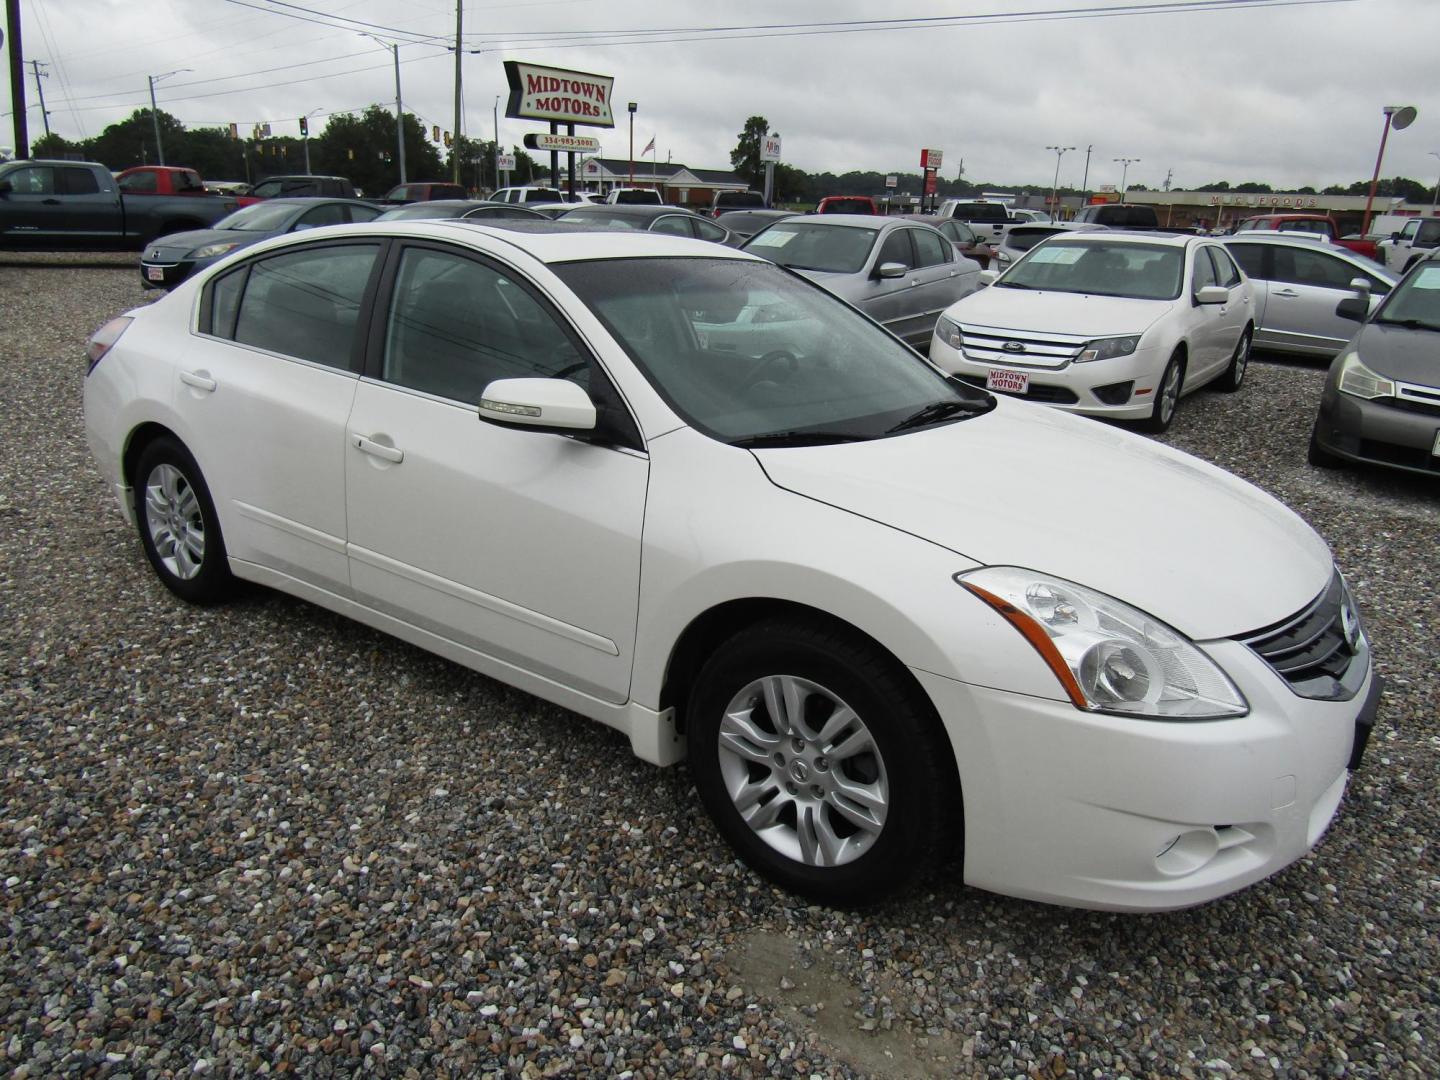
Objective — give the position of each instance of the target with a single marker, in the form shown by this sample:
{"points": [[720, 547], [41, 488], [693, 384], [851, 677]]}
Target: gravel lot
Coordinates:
{"points": [[263, 839]]}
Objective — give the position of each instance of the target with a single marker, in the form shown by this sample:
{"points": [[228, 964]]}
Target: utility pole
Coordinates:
{"points": [[455, 142], [35, 66], [1169, 175], [495, 119], [1085, 182], [155, 111], [632, 143], [17, 79]]}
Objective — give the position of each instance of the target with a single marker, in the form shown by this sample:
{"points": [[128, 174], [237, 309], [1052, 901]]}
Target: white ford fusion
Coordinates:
{"points": [[1109, 324], [876, 609]]}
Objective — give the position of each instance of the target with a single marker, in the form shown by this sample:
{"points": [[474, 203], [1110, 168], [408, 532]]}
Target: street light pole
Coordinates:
{"points": [[632, 144], [455, 142], [1125, 163], [155, 111], [1085, 183], [1436, 200], [1399, 117], [495, 116], [17, 79], [1055, 187]]}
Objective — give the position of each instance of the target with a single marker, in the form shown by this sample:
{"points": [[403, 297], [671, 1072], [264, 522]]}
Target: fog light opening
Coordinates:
{"points": [[1188, 852]]}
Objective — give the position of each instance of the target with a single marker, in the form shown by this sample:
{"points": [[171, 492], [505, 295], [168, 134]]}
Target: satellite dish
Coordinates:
{"points": [[1402, 118]]}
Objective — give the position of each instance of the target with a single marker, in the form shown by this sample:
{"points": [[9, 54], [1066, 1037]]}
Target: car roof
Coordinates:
{"points": [[1081, 236], [860, 221], [548, 241], [631, 209]]}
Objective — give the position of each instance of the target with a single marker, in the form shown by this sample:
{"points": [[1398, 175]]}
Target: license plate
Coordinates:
{"points": [[1006, 381], [155, 273], [1435, 450]]}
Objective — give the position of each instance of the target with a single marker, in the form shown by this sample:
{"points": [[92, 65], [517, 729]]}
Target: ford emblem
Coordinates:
{"points": [[1013, 347]]}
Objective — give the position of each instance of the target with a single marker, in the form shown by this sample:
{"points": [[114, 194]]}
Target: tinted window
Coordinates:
{"points": [[958, 232], [896, 249], [306, 303], [33, 181], [1429, 234], [1251, 258], [362, 213], [139, 183], [329, 214], [267, 190], [1319, 227], [1204, 272], [457, 325], [1313, 268], [930, 247], [75, 182], [188, 181], [982, 212], [225, 302], [1225, 272], [709, 231], [673, 224]]}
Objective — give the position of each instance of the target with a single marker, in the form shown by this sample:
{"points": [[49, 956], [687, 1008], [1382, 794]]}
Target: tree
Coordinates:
{"points": [[362, 148], [745, 158]]}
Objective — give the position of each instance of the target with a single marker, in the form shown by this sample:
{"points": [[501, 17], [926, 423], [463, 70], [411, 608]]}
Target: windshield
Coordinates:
{"points": [[833, 249], [1415, 301], [1137, 271], [744, 351], [262, 217]]}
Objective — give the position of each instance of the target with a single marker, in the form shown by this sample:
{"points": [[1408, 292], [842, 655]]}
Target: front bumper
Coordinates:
{"points": [[1379, 433], [1112, 813], [159, 274], [1080, 388]]}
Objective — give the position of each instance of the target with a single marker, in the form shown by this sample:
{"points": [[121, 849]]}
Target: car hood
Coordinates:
{"points": [[1026, 486], [177, 246], [1399, 352], [1081, 314]]}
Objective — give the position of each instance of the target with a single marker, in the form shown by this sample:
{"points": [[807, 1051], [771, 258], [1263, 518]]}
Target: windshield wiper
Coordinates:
{"points": [[799, 438], [938, 411], [1411, 324], [1011, 285]]}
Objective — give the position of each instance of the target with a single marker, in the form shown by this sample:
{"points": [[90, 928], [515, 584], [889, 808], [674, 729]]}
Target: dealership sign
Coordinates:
{"points": [[770, 148], [505, 162], [930, 159], [558, 95], [581, 144]]}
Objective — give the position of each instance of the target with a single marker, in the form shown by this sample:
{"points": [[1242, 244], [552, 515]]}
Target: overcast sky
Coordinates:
{"points": [[1287, 95]]}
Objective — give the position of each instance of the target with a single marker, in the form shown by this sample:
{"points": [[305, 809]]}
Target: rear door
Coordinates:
{"points": [[942, 279], [1303, 290]]}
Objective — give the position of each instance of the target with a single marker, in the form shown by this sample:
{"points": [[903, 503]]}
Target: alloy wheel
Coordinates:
{"points": [[175, 522]]}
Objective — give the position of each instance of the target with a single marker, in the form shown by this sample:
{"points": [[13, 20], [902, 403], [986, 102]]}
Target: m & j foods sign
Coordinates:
{"points": [[565, 97]]}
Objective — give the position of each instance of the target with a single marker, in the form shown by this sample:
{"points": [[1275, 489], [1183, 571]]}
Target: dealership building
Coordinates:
{"points": [[1221, 209]]}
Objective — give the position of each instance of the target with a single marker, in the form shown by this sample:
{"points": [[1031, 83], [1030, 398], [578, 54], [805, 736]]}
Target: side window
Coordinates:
{"points": [[456, 325], [673, 225], [225, 302], [1428, 234], [268, 190], [1313, 268], [931, 249], [710, 231], [76, 182], [401, 193], [140, 183], [328, 214], [1204, 271], [896, 249], [362, 213], [1408, 233], [1251, 258], [32, 181], [306, 303], [1225, 272], [190, 181], [960, 233]]}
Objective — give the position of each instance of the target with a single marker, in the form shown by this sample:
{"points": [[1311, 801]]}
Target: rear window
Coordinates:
{"points": [[750, 200], [637, 198], [1023, 239], [981, 212], [846, 206]]}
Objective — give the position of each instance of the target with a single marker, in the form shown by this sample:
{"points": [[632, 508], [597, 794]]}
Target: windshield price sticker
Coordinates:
{"points": [[1064, 256], [1428, 278], [1006, 381], [772, 239]]}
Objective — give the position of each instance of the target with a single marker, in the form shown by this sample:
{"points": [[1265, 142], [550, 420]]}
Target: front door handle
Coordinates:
{"points": [[375, 449], [1289, 294], [198, 379]]}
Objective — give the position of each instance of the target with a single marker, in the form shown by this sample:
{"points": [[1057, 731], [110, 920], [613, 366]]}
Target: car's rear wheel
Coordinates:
{"points": [[1167, 395], [178, 527], [1235, 373], [819, 761]]}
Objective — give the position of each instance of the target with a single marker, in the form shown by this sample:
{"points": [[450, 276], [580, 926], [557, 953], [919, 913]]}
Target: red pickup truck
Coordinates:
{"points": [[1319, 224], [160, 180]]}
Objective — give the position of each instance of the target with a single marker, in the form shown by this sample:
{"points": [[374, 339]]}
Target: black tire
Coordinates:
{"points": [[1318, 455], [911, 766], [1239, 362], [170, 498], [1162, 414]]}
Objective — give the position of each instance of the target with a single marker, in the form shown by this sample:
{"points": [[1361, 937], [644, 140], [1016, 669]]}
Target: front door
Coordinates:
{"points": [[524, 546]]}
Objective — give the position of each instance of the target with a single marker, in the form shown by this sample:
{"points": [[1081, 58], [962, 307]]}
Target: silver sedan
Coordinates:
{"points": [[902, 274], [1298, 282]]}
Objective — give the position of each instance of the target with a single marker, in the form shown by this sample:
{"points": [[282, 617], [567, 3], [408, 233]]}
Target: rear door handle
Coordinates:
{"points": [[1287, 293], [375, 449], [198, 379]]}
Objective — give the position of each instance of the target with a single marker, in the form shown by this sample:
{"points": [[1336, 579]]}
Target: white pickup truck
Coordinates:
{"points": [[1418, 238]]}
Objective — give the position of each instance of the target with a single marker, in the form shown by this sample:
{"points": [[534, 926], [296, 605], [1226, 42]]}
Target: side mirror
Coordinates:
{"points": [[6, 187], [1361, 285], [538, 405], [1354, 308], [891, 270], [1213, 294], [1395, 236], [987, 277]]}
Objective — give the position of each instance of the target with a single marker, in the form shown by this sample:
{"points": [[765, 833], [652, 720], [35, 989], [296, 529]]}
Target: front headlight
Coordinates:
{"points": [[948, 331], [1105, 348], [209, 251], [1108, 656], [1004, 258], [1359, 381]]}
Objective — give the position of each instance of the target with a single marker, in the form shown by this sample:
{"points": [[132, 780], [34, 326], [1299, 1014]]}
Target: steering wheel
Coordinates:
{"points": [[780, 360]]}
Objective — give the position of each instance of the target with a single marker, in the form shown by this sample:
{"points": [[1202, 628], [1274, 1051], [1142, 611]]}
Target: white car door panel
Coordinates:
{"points": [[522, 545]]}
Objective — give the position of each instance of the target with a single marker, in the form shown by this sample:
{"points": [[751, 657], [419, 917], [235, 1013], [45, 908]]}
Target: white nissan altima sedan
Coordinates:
{"points": [[876, 609]]}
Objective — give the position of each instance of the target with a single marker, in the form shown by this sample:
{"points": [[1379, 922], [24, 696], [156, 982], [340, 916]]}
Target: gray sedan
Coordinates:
{"points": [[902, 274], [1298, 283]]}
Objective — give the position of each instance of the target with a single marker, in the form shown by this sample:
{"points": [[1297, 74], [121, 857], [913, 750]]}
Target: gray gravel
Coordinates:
{"points": [[261, 839]]}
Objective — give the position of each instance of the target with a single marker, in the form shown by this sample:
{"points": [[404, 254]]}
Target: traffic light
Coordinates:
{"points": [[304, 126], [435, 133], [447, 138]]}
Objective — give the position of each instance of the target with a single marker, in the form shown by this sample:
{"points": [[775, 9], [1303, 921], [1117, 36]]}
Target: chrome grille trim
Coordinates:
{"points": [[1310, 651], [986, 345]]}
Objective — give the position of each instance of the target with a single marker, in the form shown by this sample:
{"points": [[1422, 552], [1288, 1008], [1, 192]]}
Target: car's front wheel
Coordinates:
{"points": [[1235, 373], [178, 527], [1318, 455], [820, 763], [1167, 395]]}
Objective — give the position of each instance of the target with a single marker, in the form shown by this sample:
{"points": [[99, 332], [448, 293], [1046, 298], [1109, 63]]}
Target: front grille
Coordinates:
{"points": [[1320, 651], [986, 345], [1049, 395], [1415, 398], [1407, 457]]}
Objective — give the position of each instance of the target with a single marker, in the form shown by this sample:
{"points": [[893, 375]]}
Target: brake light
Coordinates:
{"points": [[103, 339]]}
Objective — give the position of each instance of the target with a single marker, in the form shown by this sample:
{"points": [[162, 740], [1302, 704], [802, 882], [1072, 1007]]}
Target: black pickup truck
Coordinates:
{"points": [[76, 205]]}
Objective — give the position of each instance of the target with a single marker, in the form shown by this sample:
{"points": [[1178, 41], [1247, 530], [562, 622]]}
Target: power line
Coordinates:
{"points": [[405, 36]]}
